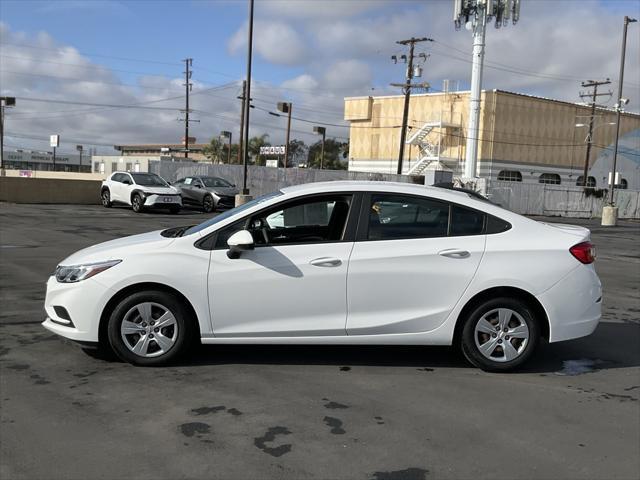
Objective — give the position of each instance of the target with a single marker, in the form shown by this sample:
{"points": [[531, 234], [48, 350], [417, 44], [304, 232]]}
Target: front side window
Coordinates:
{"points": [[393, 217], [216, 182], [148, 180], [312, 220]]}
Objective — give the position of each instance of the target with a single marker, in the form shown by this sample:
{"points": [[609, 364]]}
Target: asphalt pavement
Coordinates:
{"points": [[238, 412]]}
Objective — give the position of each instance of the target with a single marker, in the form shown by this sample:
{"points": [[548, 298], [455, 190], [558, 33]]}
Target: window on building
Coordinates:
{"points": [[550, 178], [128, 167], [114, 166], [509, 176], [623, 185], [96, 167], [591, 181]]}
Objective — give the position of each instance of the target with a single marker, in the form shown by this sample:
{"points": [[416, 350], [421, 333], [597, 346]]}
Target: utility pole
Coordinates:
{"points": [[610, 212], [245, 191], [188, 85], [474, 15], [243, 97], [594, 96], [406, 87]]}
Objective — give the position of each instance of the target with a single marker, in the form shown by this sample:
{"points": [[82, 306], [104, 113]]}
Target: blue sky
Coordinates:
{"points": [[311, 53]]}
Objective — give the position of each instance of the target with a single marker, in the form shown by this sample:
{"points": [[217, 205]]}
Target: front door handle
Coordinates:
{"points": [[326, 262], [454, 253]]}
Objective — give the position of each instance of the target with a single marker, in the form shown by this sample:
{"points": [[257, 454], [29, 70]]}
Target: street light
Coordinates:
{"points": [[4, 102], [321, 131], [79, 148], [286, 107], [610, 211], [227, 134]]}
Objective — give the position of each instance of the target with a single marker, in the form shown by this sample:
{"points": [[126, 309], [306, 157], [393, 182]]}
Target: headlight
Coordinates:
{"points": [[77, 273]]}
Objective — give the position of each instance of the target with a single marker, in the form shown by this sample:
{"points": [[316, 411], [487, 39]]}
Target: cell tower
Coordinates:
{"points": [[474, 15]]}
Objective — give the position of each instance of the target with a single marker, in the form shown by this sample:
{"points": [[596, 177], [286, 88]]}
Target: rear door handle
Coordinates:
{"points": [[326, 262], [454, 253]]}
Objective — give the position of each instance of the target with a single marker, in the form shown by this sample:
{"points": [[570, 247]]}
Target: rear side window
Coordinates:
{"points": [[496, 225], [465, 221], [394, 217]]}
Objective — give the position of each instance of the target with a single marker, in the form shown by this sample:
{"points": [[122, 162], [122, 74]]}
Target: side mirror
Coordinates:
{"points": [[239, 242]]}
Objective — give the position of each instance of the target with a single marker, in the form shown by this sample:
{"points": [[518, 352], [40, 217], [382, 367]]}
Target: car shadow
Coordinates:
{"points": [[613, 345]]}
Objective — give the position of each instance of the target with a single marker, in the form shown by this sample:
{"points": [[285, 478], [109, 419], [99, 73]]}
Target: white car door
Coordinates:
{"points": [[116, 186], [294, 282], [410, 264]]}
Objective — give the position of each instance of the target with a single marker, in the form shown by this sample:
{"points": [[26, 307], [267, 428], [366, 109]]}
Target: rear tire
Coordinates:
{"points": [[500, 335], [150, 328], [105, 197], [208, 205], [137, 203]]}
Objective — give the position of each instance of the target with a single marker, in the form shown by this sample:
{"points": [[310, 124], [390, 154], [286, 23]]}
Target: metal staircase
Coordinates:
{"points": [[429, 152]]}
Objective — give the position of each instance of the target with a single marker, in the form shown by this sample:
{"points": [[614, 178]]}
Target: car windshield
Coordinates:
{"points": [[149, 180], [233, 211], [215, 182]]}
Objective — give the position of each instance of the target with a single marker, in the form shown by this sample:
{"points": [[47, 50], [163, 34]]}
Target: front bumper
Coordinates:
{"points": [[83, 301], [573, 305], [162, 201]]}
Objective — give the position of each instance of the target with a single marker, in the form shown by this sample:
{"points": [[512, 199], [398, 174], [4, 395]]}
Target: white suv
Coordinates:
{"points": [[140, 190]]}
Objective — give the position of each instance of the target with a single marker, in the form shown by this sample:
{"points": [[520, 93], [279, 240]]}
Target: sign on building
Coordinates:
{"points": [[272, 150]]}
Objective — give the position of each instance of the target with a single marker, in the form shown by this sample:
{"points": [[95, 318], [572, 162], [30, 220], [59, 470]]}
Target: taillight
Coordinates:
{"points": [[585, 252]]}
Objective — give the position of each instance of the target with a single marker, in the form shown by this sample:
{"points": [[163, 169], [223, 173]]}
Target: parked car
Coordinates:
{"points": [[208, 193], [336, 263], [140, 191]]}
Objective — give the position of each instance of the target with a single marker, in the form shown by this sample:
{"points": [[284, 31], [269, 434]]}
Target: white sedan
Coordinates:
{"points": [[335, 263]]}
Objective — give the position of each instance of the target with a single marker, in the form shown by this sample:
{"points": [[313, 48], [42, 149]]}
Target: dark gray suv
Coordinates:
{"points": [[208, 193]]}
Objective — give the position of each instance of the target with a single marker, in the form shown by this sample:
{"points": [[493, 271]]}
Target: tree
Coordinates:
{"points": [[214, 151], [254, 147], [334, 154], [298, 151]]}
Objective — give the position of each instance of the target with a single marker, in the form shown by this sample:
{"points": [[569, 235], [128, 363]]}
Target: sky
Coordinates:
{"points": [[103, 73]]}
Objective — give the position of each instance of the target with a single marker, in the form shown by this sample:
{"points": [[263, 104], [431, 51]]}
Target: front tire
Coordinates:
{"points": [[105, 198], [137, 203], [150, 328], [500, 335], [208, 205]]}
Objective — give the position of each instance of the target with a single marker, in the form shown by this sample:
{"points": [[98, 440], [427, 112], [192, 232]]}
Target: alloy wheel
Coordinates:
{"points": [[149, 329], [501, 335]]}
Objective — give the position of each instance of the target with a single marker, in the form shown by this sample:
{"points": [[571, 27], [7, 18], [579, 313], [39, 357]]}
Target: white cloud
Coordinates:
{"points": [[277, 42], [314, 9]]}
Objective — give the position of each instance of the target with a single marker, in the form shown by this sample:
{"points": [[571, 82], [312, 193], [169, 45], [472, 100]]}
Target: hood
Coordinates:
{"points": [[119, 248], [575, 230], [227, 191], [159, 190]]}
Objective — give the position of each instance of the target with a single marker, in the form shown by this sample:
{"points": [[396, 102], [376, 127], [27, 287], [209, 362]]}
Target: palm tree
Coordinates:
{"points": [[254, 146]]}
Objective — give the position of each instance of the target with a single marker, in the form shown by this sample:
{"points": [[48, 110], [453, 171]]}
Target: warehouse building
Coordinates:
{"points": [[522, 138]]}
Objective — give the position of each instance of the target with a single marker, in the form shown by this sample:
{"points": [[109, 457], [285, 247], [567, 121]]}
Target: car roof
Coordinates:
{"points": [[456, 196]]}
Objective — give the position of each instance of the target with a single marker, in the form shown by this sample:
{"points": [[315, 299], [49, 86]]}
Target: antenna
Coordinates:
{"points": [[474, 15]]}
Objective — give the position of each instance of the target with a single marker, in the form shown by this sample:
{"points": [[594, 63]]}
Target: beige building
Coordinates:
{"points": [[521, 138]]}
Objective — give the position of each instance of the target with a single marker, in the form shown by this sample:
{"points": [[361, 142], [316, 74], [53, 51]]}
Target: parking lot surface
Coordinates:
{"points": [[383, 413]]}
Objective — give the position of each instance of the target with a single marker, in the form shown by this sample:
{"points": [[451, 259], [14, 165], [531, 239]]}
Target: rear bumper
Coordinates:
{"points": [[573, 305]]}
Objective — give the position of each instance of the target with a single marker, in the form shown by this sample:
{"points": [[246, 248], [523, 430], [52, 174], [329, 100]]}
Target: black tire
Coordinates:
{"points": [[184, 324], [137, 203], [208, 205], [174, 210], [105, 198], [498, 359]]}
